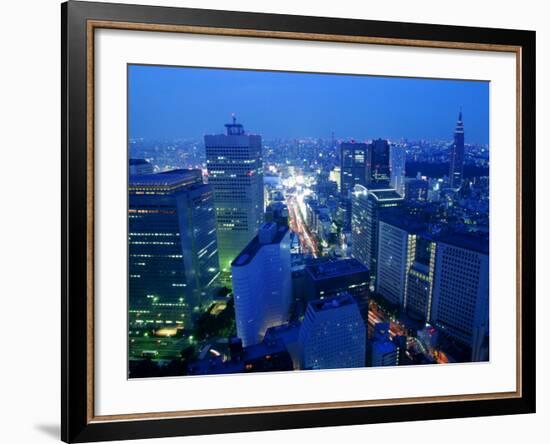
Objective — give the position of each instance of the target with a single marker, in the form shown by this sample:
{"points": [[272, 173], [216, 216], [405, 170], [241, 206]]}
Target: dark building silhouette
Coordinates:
{"points": [[416, 189], [378, 165], [353, 166], [456, 155]]}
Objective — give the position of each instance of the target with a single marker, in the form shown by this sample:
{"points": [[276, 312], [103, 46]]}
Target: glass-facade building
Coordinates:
{"points": [[367, 207], [172, 248], [461, 291], [353, 169], [406, 262]]}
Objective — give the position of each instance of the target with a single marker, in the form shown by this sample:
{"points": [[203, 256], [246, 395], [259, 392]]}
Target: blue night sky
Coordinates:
{"points": [[177, 102]]}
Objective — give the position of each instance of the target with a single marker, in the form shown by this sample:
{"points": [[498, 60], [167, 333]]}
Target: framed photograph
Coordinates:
{"points": [[275, 221]]}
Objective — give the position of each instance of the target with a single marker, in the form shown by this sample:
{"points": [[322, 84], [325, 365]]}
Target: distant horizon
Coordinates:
{"points": [[167, 103]]}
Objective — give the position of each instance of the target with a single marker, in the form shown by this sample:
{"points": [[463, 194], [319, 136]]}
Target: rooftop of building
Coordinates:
{"points": [[386, 194], [469, 241], [380, 190], [167, 179], [405, 222], [330, 269], [353, 143], [478, 242], [331, 303], [248, 253], [287, 332]]}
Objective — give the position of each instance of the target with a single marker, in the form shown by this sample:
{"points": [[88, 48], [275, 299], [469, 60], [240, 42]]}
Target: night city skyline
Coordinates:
{"points": [[249, 252], [290, 105]]}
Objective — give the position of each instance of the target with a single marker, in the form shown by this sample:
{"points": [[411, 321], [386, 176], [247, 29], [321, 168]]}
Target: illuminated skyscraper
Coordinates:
{"points": [[353, 169], [172, 249], [456, 155], [333, 334], [364, 164], [262, 288], [336, 176], [397, 169], [420, 278], [367, 207], [235, 171]]}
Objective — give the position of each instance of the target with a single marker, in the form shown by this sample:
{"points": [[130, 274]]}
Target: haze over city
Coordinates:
{"points": [[174, 102]]}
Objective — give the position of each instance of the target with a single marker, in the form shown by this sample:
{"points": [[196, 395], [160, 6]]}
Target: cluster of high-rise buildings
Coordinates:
{"points": [[190, 233]]}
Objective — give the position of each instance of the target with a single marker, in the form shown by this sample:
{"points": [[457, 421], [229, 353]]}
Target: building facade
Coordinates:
{"points": [[394, 246], [420, 278], [333, 334], [367, 207], [461, 291], [172, 247], [235, 172], [262, 285], [329, 278], [378, 170], [406, 263], [354, 165], [398, 157]]}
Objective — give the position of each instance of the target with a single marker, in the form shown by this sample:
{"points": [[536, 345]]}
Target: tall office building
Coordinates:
{"points": [[333, 334], [420, 278], [398, 159], [173, 254], [456, 155], [326, 279], [393, 256], [262, 284], [353, 169], [367, 207], [336, 176], [235, 171], [406, 262], [378, 170], [461, 291]]}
